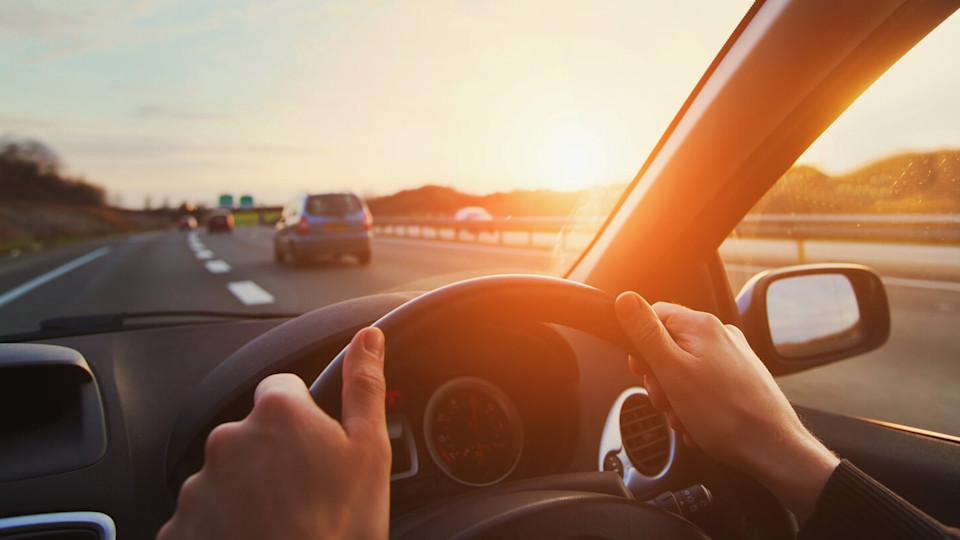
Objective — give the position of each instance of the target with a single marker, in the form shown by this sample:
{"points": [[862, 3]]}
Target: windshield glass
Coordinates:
{"points": [[126, 124], [325, 205]]}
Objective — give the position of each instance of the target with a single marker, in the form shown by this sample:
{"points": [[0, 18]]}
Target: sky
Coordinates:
{"points": [[184, 100]]}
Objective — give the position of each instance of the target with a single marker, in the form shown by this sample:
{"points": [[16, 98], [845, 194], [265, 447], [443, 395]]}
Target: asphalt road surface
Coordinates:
{"points": [[914, 379]]}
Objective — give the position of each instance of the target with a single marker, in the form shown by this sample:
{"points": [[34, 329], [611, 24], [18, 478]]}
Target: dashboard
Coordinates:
{"points": [[480, 406]]}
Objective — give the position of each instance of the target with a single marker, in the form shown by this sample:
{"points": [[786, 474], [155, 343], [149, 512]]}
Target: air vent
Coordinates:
{"points": [[645, 435]]}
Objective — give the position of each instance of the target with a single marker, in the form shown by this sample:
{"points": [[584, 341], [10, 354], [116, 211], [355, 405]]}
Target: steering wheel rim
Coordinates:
{"points": [[512, 297], [518, 298]]}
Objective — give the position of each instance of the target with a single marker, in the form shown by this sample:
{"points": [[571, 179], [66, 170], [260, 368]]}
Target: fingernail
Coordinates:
{"points": [[373, 341], [627, 304]]}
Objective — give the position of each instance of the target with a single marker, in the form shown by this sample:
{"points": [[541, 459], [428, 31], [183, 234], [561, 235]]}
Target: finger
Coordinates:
{"points": [[638, 366], [281, 383], [364, 387], [646, 332], [655, 393]]}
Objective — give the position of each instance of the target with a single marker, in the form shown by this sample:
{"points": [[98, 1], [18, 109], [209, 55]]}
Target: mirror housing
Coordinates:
{"points": [[790, 330]]}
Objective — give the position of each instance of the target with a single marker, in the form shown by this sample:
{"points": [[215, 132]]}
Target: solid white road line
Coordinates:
{"points": [[218, 267], [250, 293], [205, 254], [921, 284], [17, 292]]}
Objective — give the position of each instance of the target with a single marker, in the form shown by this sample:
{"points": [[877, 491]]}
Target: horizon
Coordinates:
{"points": [[179, 101]]}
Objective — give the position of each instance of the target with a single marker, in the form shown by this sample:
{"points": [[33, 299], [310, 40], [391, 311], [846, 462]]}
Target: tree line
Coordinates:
{"points": [[31, 171]]}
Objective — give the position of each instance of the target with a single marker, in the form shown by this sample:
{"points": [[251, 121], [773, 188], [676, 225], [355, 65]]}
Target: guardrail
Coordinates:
{"points": [[921, 228], [434, 227]]}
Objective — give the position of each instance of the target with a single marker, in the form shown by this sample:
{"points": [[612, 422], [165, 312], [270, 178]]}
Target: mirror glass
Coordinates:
{"points": [[813, 314]]}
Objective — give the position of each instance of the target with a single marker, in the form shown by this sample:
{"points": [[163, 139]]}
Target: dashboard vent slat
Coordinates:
{"points": [[645, 435]]}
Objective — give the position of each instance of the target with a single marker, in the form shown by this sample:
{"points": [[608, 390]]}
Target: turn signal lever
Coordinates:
{"points": [[690, 503]]}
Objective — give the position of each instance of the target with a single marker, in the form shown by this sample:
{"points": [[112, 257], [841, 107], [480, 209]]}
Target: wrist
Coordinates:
{"points": [[798, 472]]}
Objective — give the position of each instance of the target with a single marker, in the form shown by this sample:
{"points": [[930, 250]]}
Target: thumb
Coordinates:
{"points": [[364, 387], [646, 332]]}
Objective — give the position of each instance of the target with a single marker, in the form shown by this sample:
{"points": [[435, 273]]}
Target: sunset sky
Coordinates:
{"points": [[183, 100]]}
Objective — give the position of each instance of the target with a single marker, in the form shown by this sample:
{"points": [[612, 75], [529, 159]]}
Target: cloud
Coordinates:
{"points": [[147, 147], [24, 18], [163, 111]]}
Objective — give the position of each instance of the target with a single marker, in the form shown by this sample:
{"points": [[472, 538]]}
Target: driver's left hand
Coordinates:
{"points": [[288, 470]]}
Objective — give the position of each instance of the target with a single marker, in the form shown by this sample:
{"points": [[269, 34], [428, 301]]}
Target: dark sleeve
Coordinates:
{"points": [[853, 505]]}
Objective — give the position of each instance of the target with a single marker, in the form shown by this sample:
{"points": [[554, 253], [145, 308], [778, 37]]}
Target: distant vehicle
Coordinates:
{"points": [[472, 213], [187, 223], [323, 224], [246, 201], [226, 202], [221, 220]]}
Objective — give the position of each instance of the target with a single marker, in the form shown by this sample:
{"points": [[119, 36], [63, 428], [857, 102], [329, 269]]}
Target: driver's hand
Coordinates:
{"points": [[713, 388], [290, 471]]}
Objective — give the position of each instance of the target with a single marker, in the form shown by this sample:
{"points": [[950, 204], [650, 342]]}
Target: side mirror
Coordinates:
{"points": [[799, 317]]}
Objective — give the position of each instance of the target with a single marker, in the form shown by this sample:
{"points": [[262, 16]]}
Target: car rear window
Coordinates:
{"points": [[332, 205]]}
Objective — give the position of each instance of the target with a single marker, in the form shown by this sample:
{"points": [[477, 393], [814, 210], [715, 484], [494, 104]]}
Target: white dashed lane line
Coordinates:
{"points": [[247, 292], [250, 293], [218, 267], [17, 292]]}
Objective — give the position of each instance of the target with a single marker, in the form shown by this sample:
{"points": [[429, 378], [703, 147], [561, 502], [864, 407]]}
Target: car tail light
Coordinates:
{"points": [[367, 220], [303, 227]]}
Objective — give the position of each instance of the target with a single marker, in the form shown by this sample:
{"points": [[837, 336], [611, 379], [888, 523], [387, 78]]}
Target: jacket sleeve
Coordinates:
{"points": [[853, 505]]}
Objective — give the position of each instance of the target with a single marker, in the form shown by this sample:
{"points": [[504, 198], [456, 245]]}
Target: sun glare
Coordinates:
{"points": [[568, 158]]}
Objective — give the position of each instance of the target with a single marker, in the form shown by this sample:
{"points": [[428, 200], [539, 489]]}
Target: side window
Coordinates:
{"points": [[881, 187], [290, 212]]}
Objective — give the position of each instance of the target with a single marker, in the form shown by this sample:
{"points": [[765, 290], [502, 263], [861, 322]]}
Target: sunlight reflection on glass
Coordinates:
{"points": [[813, 315]]}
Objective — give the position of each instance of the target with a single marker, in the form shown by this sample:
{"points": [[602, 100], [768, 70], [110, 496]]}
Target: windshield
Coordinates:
{"points": [[326, 205], [126, 125]]}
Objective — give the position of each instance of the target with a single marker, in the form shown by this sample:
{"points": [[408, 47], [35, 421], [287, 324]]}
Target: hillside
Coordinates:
{"points": [[28, 225], [442, 201], [912, 183]]}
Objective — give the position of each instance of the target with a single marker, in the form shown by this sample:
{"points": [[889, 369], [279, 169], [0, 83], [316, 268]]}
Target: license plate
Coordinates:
{"points": [[336, 227]]}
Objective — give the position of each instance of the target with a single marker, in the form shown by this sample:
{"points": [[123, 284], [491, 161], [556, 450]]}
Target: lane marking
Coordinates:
{"points": [[929, 284], [197, 246], [250, 293], [205, 254], [17, 292], [921, 284], [218, 267]]}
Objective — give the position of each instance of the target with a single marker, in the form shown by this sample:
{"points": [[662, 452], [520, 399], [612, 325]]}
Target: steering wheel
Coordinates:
{"points": [[548, 509]]}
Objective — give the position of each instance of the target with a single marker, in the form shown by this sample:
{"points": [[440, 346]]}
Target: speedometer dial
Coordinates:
{"points": [[473, 432]]}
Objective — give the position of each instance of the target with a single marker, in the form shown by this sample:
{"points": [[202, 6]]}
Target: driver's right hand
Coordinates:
{"points": [[715, 390]]}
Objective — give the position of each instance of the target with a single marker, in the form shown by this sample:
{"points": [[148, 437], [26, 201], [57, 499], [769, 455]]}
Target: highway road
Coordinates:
{"points": [[913, 380]]}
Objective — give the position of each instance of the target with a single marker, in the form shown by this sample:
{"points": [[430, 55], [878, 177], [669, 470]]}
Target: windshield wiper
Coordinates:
{"points": [[115, 322]]}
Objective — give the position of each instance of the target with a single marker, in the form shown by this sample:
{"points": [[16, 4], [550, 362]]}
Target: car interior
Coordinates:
{"points": [[109, 425]]}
